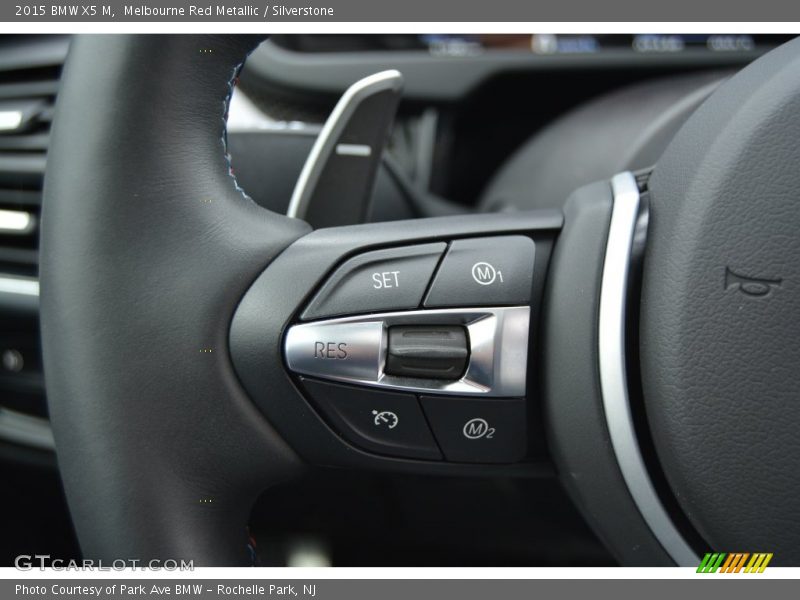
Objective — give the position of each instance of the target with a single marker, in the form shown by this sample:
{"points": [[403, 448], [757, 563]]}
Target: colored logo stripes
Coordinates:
{"points": [[734, 562]]}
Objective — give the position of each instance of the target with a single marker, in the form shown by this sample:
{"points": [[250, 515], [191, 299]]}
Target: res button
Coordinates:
{"points": [[392, 279], [335, 350]]}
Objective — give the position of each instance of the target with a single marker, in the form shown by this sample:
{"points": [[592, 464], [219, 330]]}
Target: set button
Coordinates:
{"points": [[391, 279]]}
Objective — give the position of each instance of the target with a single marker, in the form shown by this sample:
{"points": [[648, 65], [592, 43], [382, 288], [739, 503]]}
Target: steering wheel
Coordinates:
{"points": [[199, 349]]}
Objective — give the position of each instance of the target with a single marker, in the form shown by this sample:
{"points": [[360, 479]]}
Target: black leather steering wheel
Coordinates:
{"points": [[167, 295]]}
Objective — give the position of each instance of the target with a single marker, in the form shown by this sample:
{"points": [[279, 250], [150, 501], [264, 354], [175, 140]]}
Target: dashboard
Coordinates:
{"points": [[446, 68]]}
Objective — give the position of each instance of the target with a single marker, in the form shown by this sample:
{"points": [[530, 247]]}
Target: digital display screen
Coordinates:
{"points": [[455, 45], [549, 44]]}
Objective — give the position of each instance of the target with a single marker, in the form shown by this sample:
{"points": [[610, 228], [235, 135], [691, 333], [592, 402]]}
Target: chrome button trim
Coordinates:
{"points": [[331, 349], [614, 377], [497, 365]]}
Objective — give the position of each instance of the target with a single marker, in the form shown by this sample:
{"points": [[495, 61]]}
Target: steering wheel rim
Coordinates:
{"points": [[147, 246]]}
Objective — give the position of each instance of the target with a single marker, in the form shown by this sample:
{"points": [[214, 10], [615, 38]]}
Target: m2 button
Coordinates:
{"points": [[478, 430], [391, 279], [484, 272]]}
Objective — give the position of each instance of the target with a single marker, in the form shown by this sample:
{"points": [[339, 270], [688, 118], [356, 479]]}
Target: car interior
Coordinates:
{"points": [[345, 299]]}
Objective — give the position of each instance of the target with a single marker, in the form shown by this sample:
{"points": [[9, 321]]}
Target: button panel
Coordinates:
{"points": [[465, 351], [484, 272], [478, 430], [383, 422], [391, 279]]}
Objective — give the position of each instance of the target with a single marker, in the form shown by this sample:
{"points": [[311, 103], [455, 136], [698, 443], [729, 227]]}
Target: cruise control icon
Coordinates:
{"points": [[387, 418]]}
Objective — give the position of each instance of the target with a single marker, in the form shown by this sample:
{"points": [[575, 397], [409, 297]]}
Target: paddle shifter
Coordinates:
{"points": [[335, 185]]}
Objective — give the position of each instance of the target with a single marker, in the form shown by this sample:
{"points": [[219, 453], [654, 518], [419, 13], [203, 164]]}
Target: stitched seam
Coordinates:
{"points": [[226, 103]]}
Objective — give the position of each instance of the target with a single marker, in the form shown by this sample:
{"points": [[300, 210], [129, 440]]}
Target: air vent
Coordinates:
{"points": [[30, 67]]}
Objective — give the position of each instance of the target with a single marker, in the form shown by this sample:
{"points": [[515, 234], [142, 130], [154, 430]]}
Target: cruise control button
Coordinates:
{"points": [[484, 272], [478, 430], [382, 422], [391, 279], [336, 350]]}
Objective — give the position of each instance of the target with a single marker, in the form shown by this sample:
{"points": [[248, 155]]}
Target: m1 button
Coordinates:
{"points": [[391, 279], [493, 271]]}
